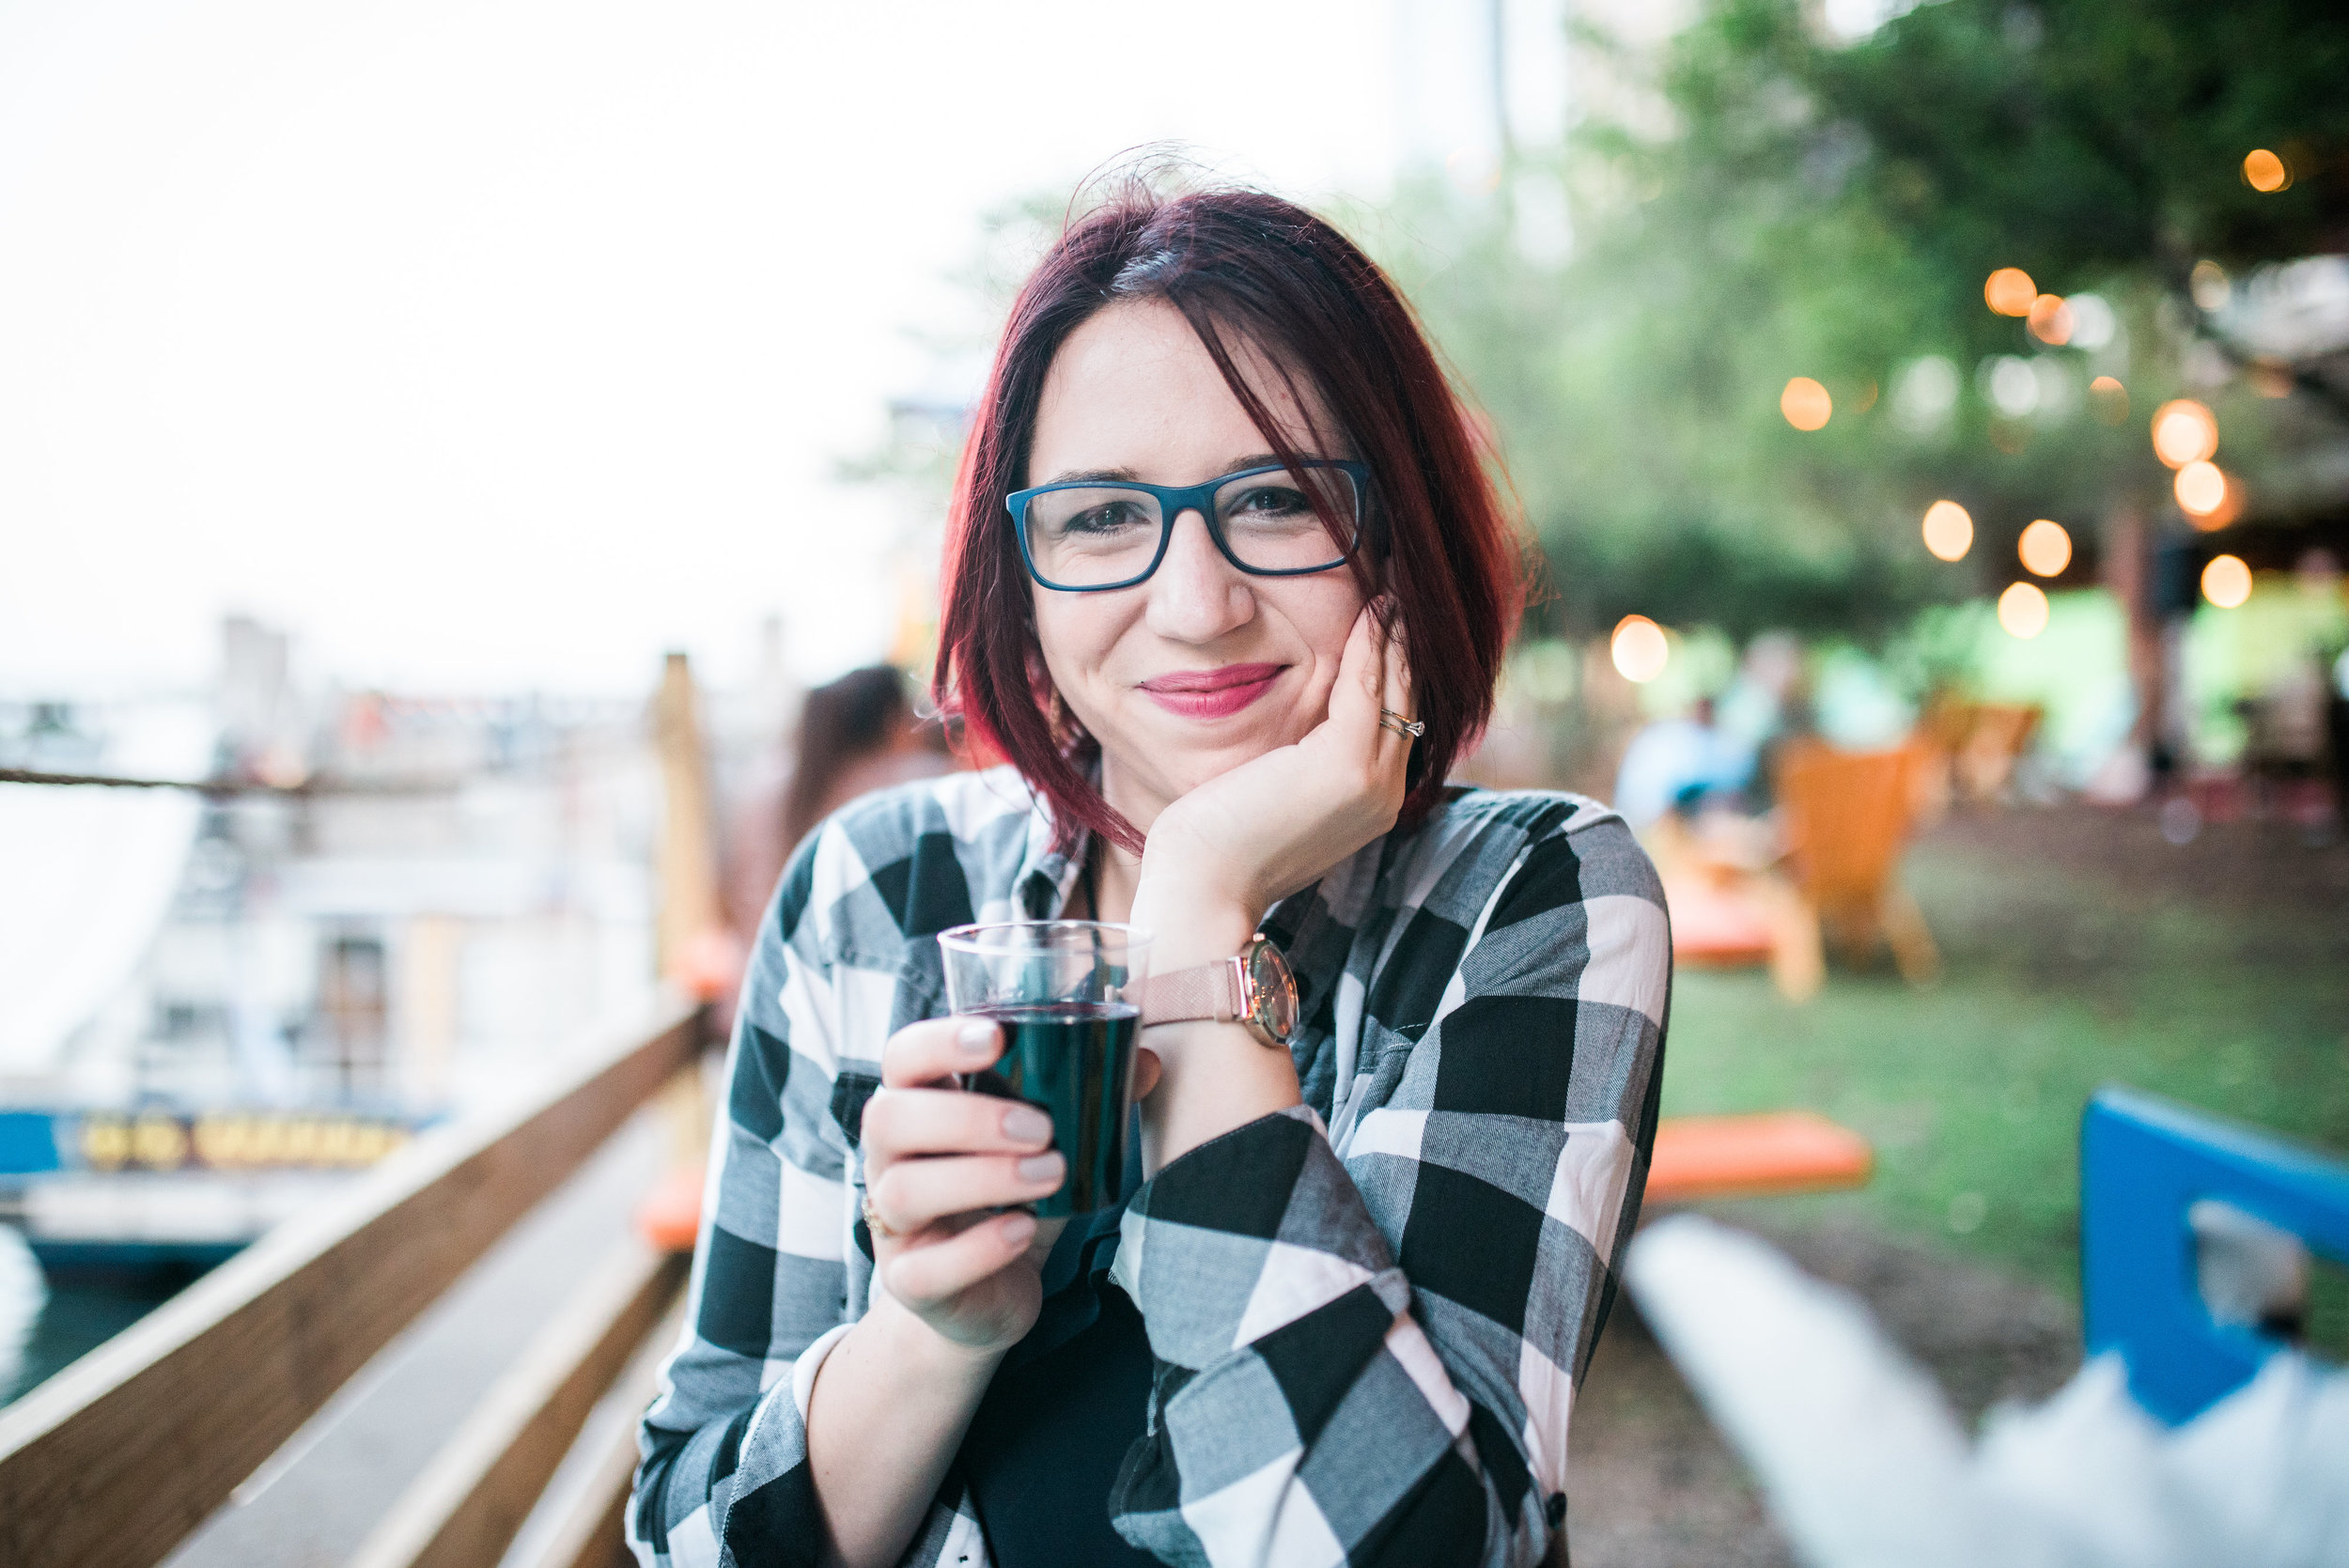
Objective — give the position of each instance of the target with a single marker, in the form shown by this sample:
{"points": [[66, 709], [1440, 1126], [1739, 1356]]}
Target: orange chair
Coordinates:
{"points": [[1847, 817], [1999, 735], [1756, 1156]]}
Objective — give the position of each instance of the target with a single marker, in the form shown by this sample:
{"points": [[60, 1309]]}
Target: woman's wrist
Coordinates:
{"points": [[907, 1340], [1190, 922]]}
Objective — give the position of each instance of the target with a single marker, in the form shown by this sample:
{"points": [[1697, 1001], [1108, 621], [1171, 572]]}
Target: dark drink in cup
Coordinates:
{"points": [[1075, 1062], [1066, 996]]}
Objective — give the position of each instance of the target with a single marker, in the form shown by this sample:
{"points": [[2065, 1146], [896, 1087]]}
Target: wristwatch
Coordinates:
{"points": [[1253, 988]]}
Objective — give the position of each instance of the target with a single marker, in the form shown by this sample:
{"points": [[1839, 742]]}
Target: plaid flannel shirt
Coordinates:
{"points": [[1368, 1315]]}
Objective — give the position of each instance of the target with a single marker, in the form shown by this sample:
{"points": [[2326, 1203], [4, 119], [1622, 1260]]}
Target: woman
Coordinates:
{"points": [[1217, 490]]}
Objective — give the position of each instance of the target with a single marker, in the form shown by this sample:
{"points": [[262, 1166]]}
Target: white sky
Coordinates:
{"points": [[491, 345]]}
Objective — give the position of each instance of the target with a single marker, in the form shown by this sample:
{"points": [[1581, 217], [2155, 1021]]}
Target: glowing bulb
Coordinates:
{"points": [[2023, 611], [2264, 171], [1638, 649], [1805, 404], [2045, 548], [2202, 488], [2226, 582], [2010, 291], [2184, 432], [2050, 320], [2109, 399], [1948, 530]]}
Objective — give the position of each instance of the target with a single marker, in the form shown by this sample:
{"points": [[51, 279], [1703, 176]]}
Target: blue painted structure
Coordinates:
{"points": [[2143, 1163]]}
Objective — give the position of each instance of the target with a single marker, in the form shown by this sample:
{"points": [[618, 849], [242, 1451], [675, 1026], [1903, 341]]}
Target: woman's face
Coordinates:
{"points": [[1202, 666]]}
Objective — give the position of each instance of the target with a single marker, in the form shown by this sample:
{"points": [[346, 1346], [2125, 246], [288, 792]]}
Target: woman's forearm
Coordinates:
{"points": [[885, 1419]]}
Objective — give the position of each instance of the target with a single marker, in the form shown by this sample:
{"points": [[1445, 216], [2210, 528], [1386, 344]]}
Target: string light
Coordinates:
{"points": [[2010, 291], [1640, 649], [2023, 611], [1805, 404], [2050, 320], [2202, 488], [1948, 530], [2264, 172], [2184, 432], [2226, 582], [2044, 548]]}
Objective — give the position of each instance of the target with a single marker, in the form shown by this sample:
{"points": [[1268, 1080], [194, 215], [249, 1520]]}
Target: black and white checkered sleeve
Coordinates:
{"points": [[1370, 1357], [769, 1284]]}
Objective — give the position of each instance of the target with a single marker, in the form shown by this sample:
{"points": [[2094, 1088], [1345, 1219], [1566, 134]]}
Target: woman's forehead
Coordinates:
{"points": [[1135, 383]]}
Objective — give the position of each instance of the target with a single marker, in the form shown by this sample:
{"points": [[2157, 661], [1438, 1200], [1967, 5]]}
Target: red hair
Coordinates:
{"points": [[1243, 264]]}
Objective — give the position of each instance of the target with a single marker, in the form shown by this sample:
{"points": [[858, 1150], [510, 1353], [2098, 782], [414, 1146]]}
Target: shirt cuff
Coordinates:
{"points": [[1245, 1234], [811, 1362]]}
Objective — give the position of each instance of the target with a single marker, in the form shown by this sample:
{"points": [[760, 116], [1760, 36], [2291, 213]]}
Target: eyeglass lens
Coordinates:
{"points": [[1098, 535]]}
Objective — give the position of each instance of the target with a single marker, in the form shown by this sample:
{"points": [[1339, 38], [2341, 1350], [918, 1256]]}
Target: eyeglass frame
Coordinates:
{"points": [[1173, 501]]}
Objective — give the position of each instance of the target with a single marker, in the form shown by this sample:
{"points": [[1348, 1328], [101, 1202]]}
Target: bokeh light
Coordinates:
{"points": [[2023, 611], [2184, 432], [2264, 171], [1948, 530], [2050, 320], [2210, 286], [2109, 399], [1640, 649], [1805, 404], [2045, 548], [2202, 488], [2010, 291], [2226, 582], [2094, 323]]}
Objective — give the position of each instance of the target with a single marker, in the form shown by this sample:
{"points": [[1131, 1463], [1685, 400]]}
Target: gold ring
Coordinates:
{"points": [[874, 1222], [1390, 720]]}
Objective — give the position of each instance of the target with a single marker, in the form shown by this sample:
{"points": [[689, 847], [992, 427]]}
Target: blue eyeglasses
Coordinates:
{"points": [[1086, 536]]}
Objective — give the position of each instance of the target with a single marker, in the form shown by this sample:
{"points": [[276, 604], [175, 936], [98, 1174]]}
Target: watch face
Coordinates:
{"points": [[1275, 990]]}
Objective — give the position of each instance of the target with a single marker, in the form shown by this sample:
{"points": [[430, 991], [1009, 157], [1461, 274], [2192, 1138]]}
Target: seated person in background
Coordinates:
{"points": [[1674, 764], [857, 734]]}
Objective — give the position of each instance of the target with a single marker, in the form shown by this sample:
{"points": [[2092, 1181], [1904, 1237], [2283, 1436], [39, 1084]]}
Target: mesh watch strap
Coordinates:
{"points": [[1204, 992]]}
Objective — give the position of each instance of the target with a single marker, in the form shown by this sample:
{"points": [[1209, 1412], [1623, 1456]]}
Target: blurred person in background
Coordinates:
{"points": [[1229, 584], [1682, 764], [857, 734]]}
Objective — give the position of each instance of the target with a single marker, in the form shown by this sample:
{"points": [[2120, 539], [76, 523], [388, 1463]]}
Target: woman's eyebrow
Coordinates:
{"points": [[1127, 475]]}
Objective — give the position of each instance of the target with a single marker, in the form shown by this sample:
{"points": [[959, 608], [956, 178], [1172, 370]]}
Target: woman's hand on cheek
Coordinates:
{"points": [[1225, 853]]}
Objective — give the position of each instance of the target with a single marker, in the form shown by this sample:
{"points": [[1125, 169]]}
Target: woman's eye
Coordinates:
{"points": [[1271, 501], [1108, 517]]}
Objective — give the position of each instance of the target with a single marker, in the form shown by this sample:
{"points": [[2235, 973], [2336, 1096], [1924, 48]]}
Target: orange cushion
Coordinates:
{"points": [[1712, 925], [1743, 1157], [671, 1212]]}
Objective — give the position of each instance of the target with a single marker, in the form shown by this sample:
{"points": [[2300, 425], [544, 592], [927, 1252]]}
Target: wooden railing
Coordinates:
{"points": [[123, 1455]]}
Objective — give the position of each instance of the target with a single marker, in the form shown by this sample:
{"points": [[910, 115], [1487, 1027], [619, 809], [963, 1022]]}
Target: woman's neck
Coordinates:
{"points": [[1116, 873]]}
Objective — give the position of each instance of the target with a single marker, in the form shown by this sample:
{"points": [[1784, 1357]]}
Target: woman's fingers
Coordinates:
{"points": [[914, 1194], [940, 1269], [936, 1048], [906, 1122], [1354, 695]]}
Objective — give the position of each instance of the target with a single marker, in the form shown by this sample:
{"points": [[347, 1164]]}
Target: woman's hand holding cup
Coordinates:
{"points": [[943, 1170]]}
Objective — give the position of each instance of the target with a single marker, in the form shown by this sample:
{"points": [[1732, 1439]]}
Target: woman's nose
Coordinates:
{"points": [[1196, 595]]}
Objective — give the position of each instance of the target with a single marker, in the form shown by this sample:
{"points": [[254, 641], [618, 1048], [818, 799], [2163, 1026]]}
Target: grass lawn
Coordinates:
{"points": [[2081, 949]]}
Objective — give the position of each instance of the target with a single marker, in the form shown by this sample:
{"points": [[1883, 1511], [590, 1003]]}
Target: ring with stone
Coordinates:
{"points": [[1390, 720]]}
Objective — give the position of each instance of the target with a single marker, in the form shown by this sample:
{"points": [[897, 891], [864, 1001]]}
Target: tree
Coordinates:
{"points": [[1833, 211]]}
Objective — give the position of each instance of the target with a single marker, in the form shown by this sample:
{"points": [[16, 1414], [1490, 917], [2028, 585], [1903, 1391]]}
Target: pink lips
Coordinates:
{"points": [[1211, 693]]}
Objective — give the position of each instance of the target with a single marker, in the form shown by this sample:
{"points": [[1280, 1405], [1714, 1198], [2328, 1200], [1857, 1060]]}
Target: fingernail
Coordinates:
{"points": [[975, 1040], [1019, 1228], [1046, 1167], [1025, 1124]]}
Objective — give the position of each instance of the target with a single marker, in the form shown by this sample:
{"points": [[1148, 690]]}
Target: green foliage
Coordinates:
{"points": [[1833, 213]]}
